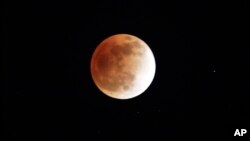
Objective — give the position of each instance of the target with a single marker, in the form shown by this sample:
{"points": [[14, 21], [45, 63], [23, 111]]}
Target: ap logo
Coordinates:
{"points": [[240, 132]]}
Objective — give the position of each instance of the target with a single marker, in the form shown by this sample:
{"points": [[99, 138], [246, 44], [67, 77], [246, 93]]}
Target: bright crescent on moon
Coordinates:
{"points": [[123, 66]]}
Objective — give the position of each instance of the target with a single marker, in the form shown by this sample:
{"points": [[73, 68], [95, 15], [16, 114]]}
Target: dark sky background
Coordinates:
{"points": [[201, 86]]}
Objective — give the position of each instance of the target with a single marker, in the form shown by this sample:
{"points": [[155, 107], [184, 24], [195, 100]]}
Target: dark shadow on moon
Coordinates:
{"points": [[121, 80], [104, 63], [116, 64]]}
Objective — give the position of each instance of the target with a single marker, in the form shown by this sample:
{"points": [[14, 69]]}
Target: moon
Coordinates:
{"points": [[123, 66]]}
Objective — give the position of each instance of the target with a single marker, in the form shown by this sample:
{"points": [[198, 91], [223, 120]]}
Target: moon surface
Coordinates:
{"points": [[123, 66]]}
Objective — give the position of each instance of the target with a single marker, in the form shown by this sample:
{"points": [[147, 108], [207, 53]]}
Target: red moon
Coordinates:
{"points": [[123, 66]]}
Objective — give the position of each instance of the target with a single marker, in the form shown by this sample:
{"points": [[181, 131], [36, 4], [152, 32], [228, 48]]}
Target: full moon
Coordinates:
{"points": [[123, 66]]}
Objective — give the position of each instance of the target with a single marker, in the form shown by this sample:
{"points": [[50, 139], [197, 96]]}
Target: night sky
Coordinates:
{"points": [[201, 86]]}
